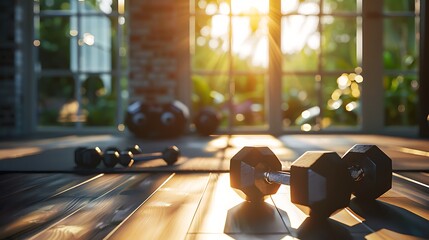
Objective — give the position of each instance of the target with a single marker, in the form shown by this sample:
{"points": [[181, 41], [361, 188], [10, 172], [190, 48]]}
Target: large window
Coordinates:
{"points": [[400, 57], [321, 49], [80, 62], [229, 49], [319, 61]]}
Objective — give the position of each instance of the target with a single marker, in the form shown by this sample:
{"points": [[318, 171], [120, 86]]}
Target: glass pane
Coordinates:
{"points": [[400, 100], [400, 45], [99, 99], [211, 91], [341, 100], [250, 43], [330, 6], [301, 7], [249, 100], [97, 44], [103, 6], [300, 43], [54, 5], [299, 107], [399, 5], [250, 7], [56, 37], [209, 7], [339, 43], [56, 101], [211, 43]]}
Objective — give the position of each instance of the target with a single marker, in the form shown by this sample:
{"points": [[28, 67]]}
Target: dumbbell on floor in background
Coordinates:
{"points": [[88, 157], [173, 120], [157, 120], [114, 156], [137, 119], [91, 157], [170, 155], [207, 121], [134, 154], [320, 182]]}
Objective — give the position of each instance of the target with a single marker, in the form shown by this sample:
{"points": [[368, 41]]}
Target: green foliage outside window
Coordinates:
{"points": [[59, 38]]}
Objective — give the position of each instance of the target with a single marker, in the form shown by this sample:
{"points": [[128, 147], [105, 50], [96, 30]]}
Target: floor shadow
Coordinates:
{"points": [[316, 228], [381, 215], [259, 219], [254, 218]]}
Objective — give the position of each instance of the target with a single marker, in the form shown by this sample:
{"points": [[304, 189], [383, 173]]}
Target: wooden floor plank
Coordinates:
{"points": [[422, 177], [31, 188], [13, 183], [393, 217], [223, 211], [26, 219], [401, 213], [100, 216], [406, 186], [168, 213]]}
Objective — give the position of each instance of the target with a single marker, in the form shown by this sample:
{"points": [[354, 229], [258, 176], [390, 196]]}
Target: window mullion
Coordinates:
{"points": [[372, 97], [275, 69]]}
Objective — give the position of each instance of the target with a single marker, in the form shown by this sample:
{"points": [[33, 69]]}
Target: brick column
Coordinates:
{"points": [[159, 39]]}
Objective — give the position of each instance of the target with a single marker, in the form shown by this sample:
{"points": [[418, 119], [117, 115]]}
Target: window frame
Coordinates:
{"points": [[117, 71], [369, 16]]}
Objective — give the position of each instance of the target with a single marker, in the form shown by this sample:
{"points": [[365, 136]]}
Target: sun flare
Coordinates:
{"points": [[250, 35]]}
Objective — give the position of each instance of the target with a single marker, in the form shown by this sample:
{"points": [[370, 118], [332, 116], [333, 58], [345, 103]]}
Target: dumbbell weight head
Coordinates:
{"points": [[137, 119], [126, 158], [78, 155], [207, 121], [135, 149], [320, 183], [88, 157], [171, 154], [173, 119], [377, 170], [168, 119], [111, 157], [246, 168]]}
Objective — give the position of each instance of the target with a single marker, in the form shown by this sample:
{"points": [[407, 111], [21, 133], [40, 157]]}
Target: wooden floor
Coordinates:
{"points": [[44, 197]]}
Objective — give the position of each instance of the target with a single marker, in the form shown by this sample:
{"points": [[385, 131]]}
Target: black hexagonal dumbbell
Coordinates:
{"points": [[173, 119], [371, 170], [113, 156], [207, 121], [88, 157], [157, 120], [170, 155], [134, 154], [91, 157], [137, 119], [320, 182]]}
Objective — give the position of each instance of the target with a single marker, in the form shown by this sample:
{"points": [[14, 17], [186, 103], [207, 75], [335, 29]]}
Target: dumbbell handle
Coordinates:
{"points": [[147, 156], [356, 172], [277, 177]]}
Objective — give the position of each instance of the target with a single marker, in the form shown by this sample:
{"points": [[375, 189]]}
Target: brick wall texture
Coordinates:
{"points": [[156, 36]]}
